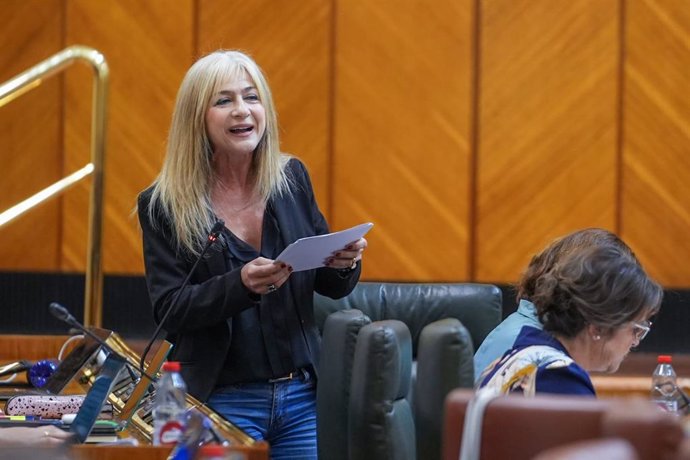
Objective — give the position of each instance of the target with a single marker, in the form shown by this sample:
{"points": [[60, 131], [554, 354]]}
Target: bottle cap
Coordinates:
{"points": [[171, 366], [212, 450], [664, 359]]}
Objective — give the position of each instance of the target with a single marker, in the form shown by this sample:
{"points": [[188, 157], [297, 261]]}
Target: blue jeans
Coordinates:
{"points": [[282, 413]]}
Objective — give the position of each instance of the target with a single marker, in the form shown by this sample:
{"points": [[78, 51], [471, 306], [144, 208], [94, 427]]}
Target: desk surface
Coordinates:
{"points": [[31, 347], [643, 364], [634, 378], [105, 452]]}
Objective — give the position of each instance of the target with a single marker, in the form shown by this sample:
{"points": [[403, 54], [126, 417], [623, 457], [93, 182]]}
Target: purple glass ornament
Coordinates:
{"points": [[41, 372]]}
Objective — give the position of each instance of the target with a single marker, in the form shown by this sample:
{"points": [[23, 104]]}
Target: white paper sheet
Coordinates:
{"points": [[312, 252]]}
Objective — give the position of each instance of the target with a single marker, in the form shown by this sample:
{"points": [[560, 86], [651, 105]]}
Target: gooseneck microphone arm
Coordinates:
{"points": [[63, 314], [212, 237]]}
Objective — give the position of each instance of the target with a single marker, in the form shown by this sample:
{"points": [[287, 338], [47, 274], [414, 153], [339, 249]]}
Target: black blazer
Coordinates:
{"points": [[200, 326]]}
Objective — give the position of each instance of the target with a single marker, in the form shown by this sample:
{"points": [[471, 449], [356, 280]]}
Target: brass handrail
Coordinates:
{"points": [[32, 78]]}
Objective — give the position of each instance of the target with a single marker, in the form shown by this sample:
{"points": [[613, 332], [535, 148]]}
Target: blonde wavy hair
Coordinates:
{"points": [[182, 189]]}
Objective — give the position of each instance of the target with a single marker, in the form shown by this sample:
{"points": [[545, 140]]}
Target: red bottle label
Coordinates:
{"points": [[171, 432]]}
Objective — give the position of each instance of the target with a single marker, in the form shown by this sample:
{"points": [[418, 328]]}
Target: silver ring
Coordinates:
{"points": [[271, 288]]}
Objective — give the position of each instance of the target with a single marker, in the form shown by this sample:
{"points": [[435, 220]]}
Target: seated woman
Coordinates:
{"points": [[501, 339], [594, 304]]}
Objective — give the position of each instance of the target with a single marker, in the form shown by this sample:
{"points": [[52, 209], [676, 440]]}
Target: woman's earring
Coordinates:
{"points": [[596, 337]]}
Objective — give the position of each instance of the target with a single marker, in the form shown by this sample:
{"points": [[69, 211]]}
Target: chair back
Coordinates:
{"points": [[477, 306], [380, 417], [335, 374], [443, 363], [436, 315], [519, 428]]}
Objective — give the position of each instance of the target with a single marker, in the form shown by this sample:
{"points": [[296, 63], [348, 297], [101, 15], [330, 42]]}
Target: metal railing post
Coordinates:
{"points": [[32, 78]]}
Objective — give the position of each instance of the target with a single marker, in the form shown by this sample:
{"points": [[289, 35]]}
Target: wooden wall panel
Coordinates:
{"points": [[30, 347], [30, 135], [148, 46], [378, 99], [402, 134], [291, 41], [547, 148], [656, 173]]}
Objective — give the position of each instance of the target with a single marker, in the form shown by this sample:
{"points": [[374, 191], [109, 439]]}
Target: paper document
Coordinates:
{"points": [[312, 252]]}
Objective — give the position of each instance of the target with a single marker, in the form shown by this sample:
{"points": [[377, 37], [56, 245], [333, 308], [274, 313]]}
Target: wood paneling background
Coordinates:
{"points": [[471, 133], [548, 112], [655, 203], [401, 154], [30, 135], [148, 46]]}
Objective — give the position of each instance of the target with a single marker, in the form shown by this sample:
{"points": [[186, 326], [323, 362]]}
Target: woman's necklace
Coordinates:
{"points": [[225, 193], [250, 202]]}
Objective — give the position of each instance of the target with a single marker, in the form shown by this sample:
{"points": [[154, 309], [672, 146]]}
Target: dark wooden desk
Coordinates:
{"points": [[34, 347], [105, 452]]}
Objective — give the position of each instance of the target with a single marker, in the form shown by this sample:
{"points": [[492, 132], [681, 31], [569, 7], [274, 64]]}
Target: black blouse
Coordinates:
{"points": [[267, 340]]}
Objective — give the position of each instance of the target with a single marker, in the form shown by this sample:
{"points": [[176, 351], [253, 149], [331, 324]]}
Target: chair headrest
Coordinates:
{"points": [[477, 306]]}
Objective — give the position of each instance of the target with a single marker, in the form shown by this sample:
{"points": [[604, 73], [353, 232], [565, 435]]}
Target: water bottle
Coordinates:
{"points": [[169, 406], [664, 388]]}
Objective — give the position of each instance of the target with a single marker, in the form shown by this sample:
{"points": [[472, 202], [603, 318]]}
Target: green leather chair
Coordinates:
{"points": [[446, 321], [380, 418]]}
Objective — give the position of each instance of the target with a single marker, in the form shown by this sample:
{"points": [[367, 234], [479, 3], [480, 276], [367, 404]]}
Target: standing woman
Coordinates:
{"points": [[243, 328]]}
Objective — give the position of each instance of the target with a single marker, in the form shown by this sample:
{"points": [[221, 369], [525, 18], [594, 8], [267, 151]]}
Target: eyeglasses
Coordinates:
{"points": [[641, 329]]}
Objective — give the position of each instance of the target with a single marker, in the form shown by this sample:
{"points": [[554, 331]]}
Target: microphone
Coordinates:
{"points": [[212, 237], [63, 314]]}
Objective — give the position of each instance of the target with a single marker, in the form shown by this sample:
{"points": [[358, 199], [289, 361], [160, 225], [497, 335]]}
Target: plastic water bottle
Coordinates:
{"points": [[664, 388], [169, 406]]}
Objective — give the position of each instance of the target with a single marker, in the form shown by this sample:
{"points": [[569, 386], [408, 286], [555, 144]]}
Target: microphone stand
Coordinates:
{"points": [[212, 237], [63, 314]]}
